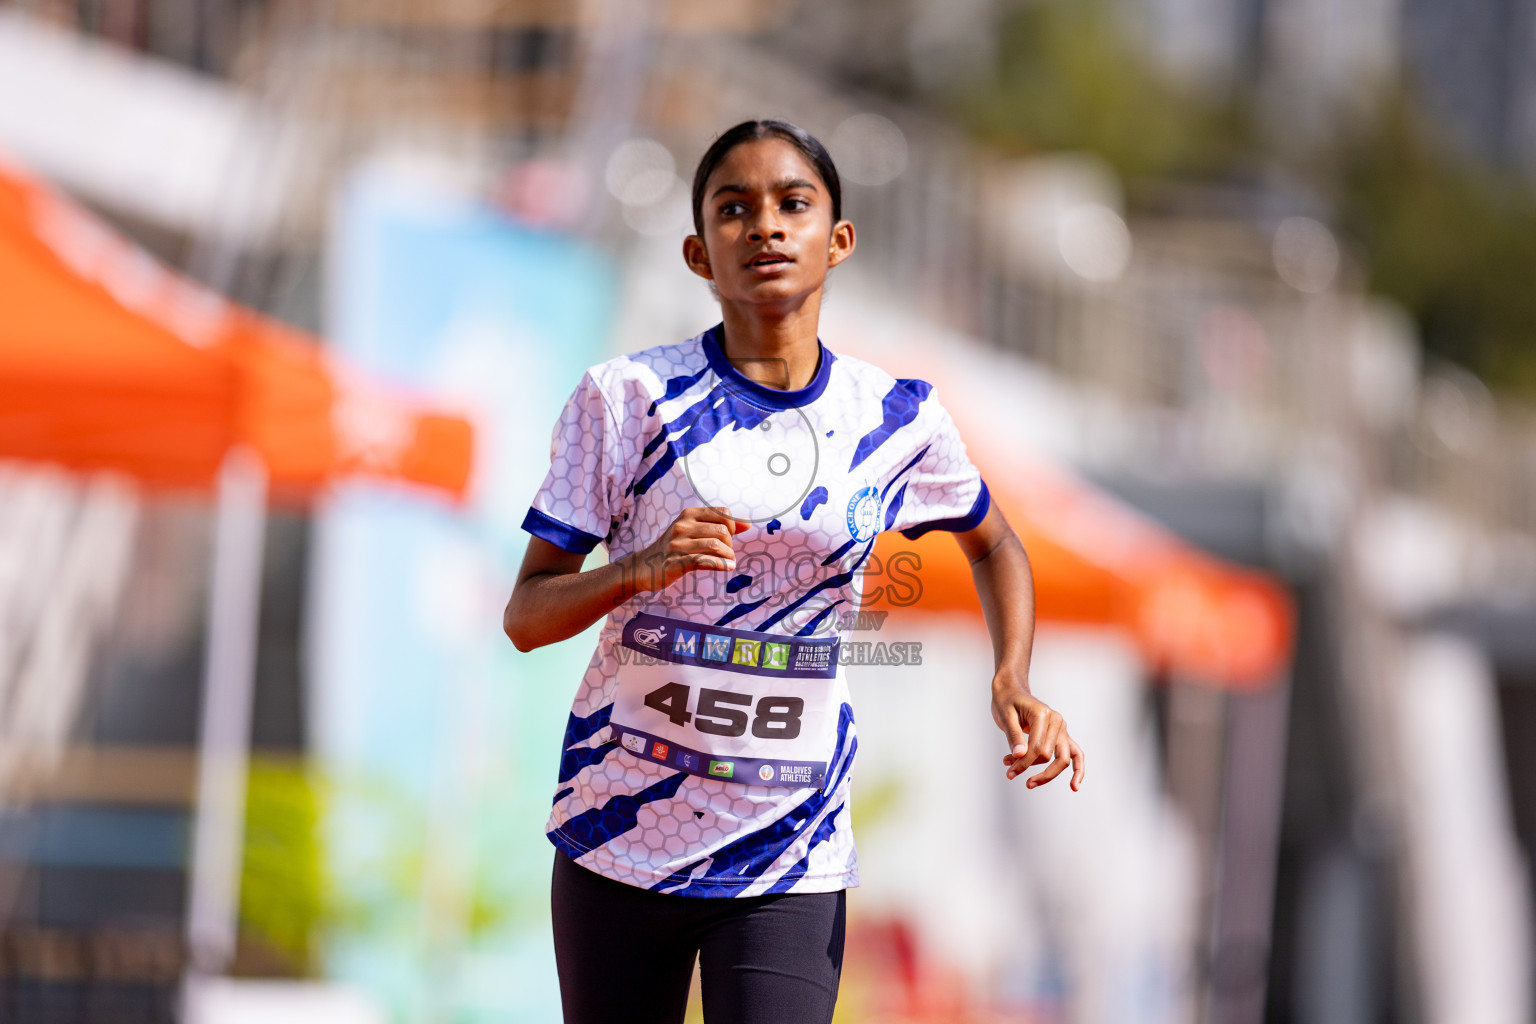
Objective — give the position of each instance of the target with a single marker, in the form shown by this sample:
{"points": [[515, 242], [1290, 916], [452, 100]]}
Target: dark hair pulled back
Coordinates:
{"points": [[752, 131]]}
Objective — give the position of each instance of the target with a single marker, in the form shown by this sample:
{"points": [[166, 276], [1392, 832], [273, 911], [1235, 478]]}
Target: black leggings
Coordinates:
{"points": [[626, 954]]}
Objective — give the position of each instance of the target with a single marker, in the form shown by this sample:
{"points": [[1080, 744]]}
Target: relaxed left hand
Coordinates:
{"points": [[1037, 734]]}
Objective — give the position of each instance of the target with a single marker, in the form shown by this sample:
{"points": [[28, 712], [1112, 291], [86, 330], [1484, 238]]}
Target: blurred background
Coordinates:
{"points": [[1233, 300]]}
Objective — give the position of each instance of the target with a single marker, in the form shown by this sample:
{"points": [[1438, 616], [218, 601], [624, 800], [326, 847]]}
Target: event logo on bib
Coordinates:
{"points": [[717, 648], [724, 769], [746, 652], [775, 655], [651, 637], [685, 643], [864, 514], [765, 773], [634, 743], [813, 659]]}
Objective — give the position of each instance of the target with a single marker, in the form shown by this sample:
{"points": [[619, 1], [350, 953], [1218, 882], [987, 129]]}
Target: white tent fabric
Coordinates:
{"points": [[66, 546], [1035, 895], [143, 137], [1470, 902]]}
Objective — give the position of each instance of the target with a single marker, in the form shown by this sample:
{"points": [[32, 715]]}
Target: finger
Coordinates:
{"points": [[1054, 735], [712, 514], [703, 546], [709, 562], [1042, 738], [1018, 740], [689, 560], [698, 529], [1057, 766], [1018, 761], [1077, 766]]}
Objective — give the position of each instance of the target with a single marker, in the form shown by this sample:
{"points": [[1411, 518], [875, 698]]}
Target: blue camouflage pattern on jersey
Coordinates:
{"points": [[619, 460]]}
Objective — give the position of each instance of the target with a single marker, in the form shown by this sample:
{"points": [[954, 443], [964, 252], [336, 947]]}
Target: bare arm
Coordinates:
{"points": [[554, 599], [1006, 587]]}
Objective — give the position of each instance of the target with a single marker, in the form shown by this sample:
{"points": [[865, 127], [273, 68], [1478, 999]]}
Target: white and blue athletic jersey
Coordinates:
{"points": [[862, 453]]}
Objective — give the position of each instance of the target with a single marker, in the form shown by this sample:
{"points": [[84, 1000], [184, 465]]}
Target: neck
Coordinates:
{"points": [[775, 346]]}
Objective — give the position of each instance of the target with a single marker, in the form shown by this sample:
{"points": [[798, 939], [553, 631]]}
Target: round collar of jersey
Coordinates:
{"points": [[772, 398]]}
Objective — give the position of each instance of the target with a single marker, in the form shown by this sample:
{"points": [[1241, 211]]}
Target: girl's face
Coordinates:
{"points": [[768, 234]]}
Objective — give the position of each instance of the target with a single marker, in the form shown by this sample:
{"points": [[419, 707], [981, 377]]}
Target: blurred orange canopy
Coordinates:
{"points": [[1098, 562], [109, 361]]}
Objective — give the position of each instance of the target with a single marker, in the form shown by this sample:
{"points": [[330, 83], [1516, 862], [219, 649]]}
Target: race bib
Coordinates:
{"points": [[724, 703]]}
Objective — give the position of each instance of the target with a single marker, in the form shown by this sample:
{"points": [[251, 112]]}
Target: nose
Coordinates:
{"points": [[765, 226]]}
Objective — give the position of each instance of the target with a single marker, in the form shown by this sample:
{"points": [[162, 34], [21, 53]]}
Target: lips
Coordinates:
{"points": [[769, 259]]}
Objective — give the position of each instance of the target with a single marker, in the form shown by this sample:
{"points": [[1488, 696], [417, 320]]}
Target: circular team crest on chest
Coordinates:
{"points": [[864, 514], [758, 465]]}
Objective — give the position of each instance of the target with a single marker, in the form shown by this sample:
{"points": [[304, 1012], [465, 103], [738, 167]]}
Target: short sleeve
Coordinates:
{"points": [[943, 490], [575, 508]]}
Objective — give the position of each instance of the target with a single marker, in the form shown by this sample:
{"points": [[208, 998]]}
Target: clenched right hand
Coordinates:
{"points": [[700, 538]]}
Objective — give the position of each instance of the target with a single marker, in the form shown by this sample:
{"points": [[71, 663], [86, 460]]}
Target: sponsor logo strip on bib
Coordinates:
{"points": [[731, 650], [757, 771]]}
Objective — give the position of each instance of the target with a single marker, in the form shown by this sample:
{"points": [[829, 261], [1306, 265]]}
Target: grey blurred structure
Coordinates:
{"points": [[1475, 61], [1237, 383], [1471, 60]]}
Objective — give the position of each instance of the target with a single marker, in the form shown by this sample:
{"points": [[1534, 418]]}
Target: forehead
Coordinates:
{"points": [[763, 163]]}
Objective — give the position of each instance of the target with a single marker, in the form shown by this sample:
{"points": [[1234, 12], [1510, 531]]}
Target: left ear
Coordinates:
{"points": [[841, 244]]}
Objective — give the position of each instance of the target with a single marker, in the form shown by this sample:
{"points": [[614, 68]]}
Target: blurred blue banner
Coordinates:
{"points": [[437, 743]]}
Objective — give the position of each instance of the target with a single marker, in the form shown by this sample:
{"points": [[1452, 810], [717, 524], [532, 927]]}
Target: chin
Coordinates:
{"points": [[776, 291]]}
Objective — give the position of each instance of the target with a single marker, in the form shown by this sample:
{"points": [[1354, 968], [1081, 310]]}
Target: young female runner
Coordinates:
{"points": [[738, 481]]}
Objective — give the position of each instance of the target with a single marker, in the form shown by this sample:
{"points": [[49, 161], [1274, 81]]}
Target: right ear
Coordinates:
{"points": [[697, 257]]}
